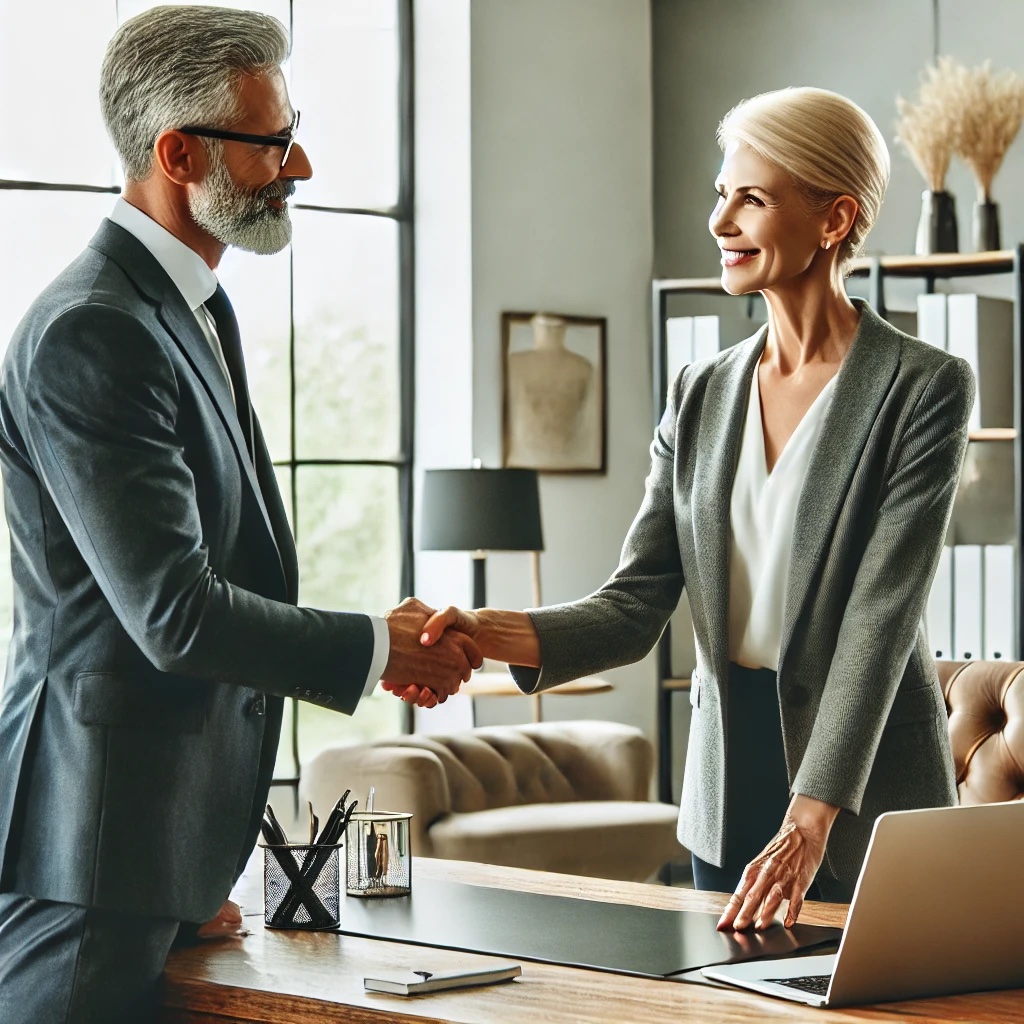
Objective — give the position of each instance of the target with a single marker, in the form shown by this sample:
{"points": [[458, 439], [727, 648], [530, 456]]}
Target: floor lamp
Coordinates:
{"points": [[481, 510]]}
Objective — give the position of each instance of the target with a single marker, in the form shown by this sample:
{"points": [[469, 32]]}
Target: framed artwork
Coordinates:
{"points": [[554, 392]]}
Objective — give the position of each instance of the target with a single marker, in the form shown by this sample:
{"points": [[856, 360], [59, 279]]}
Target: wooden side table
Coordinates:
{"points": [[501, 684]]}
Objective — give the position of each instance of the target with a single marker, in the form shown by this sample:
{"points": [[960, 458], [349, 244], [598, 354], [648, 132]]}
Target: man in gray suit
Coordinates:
{"points": [[156, 631]]}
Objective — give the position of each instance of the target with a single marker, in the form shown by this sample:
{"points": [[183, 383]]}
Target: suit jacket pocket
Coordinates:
{"points": [[108, 698], [916, 705]]}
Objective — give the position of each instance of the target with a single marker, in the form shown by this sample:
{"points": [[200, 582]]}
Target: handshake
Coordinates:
{"points": [[432, 652]]}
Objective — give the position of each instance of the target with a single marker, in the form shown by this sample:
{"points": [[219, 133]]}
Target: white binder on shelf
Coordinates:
{"points": [[939, 616], [931, 319], [980, 330], [1000, 643], [714, 334], [967, 602], [678, 346]]}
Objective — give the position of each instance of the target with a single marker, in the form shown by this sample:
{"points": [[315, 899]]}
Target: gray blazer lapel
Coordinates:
{"points": [[139, 264], [722, 416], [863, 382]]}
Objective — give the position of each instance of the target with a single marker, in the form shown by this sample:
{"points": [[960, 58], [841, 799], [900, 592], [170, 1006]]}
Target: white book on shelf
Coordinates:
{"points": [[714, 334], [980, 330], [931, 319], [967, 599], [939, 616], [678, 346], [999, 602]]}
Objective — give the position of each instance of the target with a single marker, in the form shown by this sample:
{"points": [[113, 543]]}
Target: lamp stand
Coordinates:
{"points": [[479, 579], [535, 573]]}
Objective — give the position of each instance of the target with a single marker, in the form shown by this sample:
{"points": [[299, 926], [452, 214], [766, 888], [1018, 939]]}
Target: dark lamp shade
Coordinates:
{"points": [[481, 510]]}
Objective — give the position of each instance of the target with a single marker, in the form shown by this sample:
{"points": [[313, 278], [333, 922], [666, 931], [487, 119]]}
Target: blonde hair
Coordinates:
{"points": [[826, 142]]}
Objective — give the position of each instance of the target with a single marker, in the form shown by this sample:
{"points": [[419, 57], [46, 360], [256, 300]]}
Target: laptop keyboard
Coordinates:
{"points": [[816, 984]]}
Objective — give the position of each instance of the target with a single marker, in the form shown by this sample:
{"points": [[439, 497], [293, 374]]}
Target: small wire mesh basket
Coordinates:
{"points": [[302, 886]]}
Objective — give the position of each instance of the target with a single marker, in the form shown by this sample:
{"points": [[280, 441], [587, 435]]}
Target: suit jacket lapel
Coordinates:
{"points": [[718, 443], [140, 265], [863, 382]]}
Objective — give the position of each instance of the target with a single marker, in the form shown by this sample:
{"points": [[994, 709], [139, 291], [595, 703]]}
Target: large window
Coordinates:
{"points": [[326, 325]]}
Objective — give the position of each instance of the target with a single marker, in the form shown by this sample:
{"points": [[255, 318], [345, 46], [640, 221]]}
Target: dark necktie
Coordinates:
{"points": [[231, 345]]}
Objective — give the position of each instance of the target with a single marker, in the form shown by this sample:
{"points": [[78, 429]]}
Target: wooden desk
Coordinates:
{"points": [[273, 977]]}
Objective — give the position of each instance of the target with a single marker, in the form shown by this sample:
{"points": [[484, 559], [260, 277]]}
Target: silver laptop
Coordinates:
{"points": [[938, 908]]}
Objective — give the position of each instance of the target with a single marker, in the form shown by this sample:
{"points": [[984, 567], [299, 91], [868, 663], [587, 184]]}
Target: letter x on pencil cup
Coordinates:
{"points": [[378, 855], [302, 886]]}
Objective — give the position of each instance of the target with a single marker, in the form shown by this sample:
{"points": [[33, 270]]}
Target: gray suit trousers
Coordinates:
{"points": [[65, 964]]}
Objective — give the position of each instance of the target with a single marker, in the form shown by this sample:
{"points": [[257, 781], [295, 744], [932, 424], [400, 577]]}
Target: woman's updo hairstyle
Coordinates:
{"points": [[827, 144]]}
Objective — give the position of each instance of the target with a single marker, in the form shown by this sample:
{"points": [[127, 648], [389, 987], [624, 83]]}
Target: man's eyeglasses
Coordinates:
{"points": [[287, 140]]}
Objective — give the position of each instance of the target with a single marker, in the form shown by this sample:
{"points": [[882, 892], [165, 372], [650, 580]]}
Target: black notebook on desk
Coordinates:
{"points": [[560, 930]]}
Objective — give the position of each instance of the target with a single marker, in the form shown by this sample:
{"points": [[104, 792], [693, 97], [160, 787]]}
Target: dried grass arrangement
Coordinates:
{"points": [[990, 110], [928, 129]]}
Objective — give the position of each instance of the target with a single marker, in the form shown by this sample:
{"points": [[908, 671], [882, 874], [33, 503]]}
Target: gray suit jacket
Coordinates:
{"points": [[863, 718], [155, 583]]}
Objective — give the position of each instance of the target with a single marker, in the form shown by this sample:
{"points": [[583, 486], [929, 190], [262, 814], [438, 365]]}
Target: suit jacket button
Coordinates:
{"points": [[258, 705], [797, 696]]}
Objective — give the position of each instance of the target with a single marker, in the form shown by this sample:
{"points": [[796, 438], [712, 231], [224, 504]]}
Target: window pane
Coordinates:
{"points": [[344, 74], [376, 717], [277, 8], [260, 292], [348, 538], [284, 481], [284, 768], [51, 229], [346, 336], [50, 56]]}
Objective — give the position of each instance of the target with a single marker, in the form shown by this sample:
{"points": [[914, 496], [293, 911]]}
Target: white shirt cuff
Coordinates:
{"points": [[381, 650]]}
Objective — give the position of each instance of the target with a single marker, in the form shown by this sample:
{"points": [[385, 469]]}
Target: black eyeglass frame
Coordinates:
{"points": [[287, 141]]}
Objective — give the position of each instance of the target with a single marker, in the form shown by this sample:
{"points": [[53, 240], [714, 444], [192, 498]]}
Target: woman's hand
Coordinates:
{"points": [[784, 869], [450, 618]]}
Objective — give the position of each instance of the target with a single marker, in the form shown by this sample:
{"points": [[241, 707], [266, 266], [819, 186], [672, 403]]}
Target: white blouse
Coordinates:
{"points": [[763, 514]]}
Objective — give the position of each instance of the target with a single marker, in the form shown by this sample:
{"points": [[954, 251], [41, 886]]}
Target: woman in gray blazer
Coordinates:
{"points": [[800, 488]]}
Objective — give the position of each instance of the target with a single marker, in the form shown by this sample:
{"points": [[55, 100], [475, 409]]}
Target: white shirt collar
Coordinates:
{"points": [[184, 266]]}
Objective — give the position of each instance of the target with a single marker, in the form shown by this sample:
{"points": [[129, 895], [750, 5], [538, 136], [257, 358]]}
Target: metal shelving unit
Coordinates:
{"points": [[929, 270]]}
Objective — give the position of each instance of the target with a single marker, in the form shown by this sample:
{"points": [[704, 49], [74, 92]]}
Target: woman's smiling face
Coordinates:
{"points": [[766, 231]]}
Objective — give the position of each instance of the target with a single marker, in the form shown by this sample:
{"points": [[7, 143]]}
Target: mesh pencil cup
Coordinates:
{"points": [[378, 855], [302, 886]]}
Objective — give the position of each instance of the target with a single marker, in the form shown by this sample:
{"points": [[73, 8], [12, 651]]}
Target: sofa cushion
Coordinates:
{"points": [[602, 838]]}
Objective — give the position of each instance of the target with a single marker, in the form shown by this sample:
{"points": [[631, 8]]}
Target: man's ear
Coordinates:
{"points": [[180, 157]]}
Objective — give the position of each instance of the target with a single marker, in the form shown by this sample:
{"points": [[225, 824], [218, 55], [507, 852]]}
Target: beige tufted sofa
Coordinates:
{"points": [[985, 700], [557, 796]]}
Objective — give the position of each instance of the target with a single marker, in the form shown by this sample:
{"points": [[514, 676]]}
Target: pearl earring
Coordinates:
{"points": [[826, 244]]}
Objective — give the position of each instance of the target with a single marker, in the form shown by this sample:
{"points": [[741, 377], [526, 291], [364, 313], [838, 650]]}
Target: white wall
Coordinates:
{"points": [[560, 207]]}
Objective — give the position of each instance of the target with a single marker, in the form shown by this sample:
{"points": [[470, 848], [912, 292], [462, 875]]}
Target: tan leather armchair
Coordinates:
{"points": [[557, 796], [985, 701]]}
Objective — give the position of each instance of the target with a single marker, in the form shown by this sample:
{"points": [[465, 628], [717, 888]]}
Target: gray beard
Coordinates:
{"points": [[237, 217]]}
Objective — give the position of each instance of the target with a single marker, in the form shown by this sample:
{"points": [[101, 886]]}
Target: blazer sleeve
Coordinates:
{"points": [[622, 621], [100, 429], [889, 593]]}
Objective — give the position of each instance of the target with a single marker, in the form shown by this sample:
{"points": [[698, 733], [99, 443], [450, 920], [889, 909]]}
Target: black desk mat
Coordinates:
{"points": [[561, 930]]}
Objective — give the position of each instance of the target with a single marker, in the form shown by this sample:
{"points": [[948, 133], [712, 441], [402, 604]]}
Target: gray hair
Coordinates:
{"points": [[175, 66], [829, 145]]}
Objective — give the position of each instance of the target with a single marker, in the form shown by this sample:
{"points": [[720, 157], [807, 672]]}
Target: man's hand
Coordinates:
{"points": [[227, 922], [784, 869], [438, 671], [438, 625]]}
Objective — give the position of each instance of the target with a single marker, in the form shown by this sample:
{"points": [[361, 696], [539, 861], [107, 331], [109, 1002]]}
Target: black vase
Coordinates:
{"points": [[985, 226], [936, 230]]}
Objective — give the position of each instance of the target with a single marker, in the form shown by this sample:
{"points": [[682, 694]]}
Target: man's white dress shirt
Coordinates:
{"points": [[763, 514], [197, 282]]}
